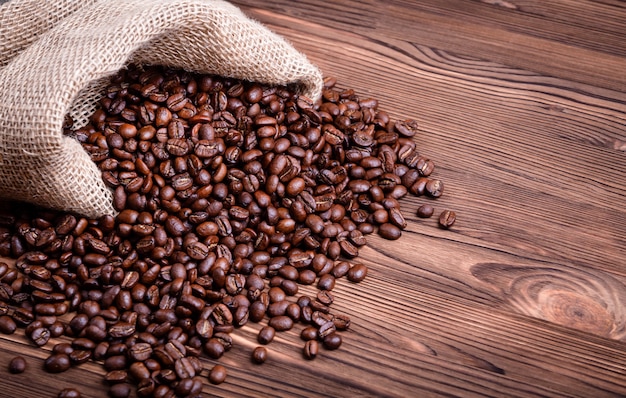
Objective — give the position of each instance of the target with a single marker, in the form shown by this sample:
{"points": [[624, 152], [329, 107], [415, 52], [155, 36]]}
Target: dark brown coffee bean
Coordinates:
{"points": [[116, 376], [213, 348], [447, 219], [326, 282], [140, 351], [7, 325], [342, 322], [17, 365], [434, 188], [407, 128], [266, 334], [69, 393], [80, 356], [57, 363], [259, 355], [332, 341], [62, 348], [389, 231], [217, 375], [257, 311], [281, 323], [357, 273], [308, 333], [425, 211], [120, 390], [311, 349], [40, 336]]}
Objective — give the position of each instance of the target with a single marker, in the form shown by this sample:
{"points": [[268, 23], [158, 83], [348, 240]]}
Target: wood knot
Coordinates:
{"points": [[590, 302]]}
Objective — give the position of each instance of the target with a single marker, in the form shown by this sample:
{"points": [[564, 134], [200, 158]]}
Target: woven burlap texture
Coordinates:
{"points": [[63, 71]]}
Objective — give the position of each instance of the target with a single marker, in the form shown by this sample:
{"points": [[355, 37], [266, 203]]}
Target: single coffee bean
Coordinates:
{"points": [[425, 211], [447, 219], [389, 231], [266, 334], [57, 363], [17, 365], [308, 333], [281, 323], [259, 355], [434, 188], [69, 393], [40, 336], [332, 341], [120, 390], [311, 349], [357, 272], [7, 325], [217, 375]]}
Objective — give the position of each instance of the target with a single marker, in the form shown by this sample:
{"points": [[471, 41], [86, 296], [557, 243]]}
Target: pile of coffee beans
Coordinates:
{"points": [[232, 196]]}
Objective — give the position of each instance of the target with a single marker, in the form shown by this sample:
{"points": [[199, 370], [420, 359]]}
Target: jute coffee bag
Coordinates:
{"points": [[59, 67]]}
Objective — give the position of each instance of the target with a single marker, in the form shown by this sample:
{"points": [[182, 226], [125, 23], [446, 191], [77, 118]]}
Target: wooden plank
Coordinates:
{"points": [[553, 45]]}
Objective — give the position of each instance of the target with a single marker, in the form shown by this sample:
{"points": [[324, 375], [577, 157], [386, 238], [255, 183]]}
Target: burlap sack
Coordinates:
{"points": [[61, 65]]}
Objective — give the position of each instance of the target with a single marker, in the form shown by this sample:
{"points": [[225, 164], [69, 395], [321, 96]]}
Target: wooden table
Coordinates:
{"points": [[522, 105]]}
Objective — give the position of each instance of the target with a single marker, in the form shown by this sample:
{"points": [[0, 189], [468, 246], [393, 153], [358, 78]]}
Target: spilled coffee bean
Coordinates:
{"points": [[231, 196]]}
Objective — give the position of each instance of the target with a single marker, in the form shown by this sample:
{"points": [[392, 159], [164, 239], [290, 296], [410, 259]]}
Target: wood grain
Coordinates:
{"points": [[522, 106]]}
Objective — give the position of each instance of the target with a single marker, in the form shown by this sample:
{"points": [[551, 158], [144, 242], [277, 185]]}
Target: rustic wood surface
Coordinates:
{"points": [[522, 105]]}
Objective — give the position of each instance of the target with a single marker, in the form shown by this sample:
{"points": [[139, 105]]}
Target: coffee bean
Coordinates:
{"points": [[217, 375], [326, 282], [69, 393], [266, 334], [447, 219], [434, 188], [332, 341], [357, 273], [308, 333], [17, 365], [425, 211], [281, 323], [7, 325], [311, 349], [259, 355], [57, 363], [389, 231], [230, 196], [120, 390]]}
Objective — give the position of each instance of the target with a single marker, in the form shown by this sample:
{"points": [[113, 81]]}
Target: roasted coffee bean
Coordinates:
{"points": [[57, 363], [311, 349], [266, 334], [230, 196], [17, 365], [7, 325], [326, 282], [40, 336], [434, 188], [217, 375], [80, 356], [332, 341], [213, 348], [389, 231], [407, 128], [69, 393], [259, 355], [342, 322], [120, 390], [357, 272], [425, 211], [447, 219], [281, 323], [308, 333], [116, 376]]}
